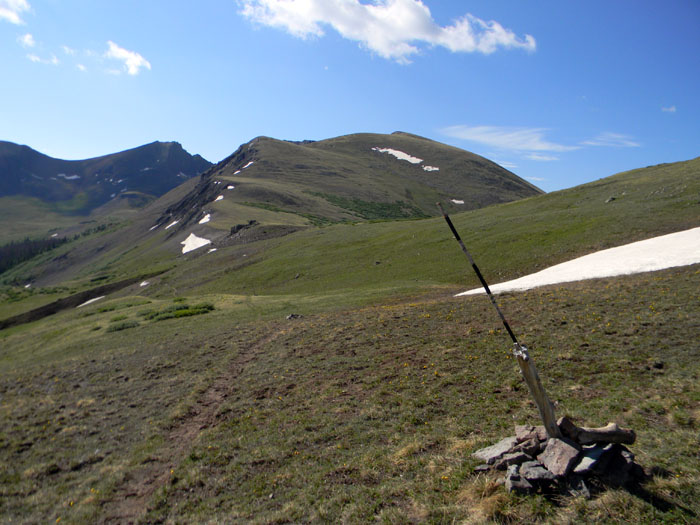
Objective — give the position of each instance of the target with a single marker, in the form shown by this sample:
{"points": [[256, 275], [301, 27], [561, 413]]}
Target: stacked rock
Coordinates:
{"points": [[535, 462]]}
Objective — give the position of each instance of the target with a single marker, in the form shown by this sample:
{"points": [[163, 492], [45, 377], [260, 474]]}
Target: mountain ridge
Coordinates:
{"points": [[79, 186]]}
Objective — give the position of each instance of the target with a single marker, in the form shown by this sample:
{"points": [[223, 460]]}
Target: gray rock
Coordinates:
{"points": [[594, 458], [516, 483], [532, 447], [494, 452], [560, 456], [534, 472], [512, 458], [513, 472], [528, 432]]}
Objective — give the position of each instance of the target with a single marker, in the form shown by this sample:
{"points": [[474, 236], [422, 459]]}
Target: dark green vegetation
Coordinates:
{"points": [[130, 179], [368, 406], [376, 210], [16, 252]]}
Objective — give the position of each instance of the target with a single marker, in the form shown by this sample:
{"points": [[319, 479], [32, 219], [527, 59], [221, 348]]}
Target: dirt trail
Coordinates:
{"points": [[131, 500]]}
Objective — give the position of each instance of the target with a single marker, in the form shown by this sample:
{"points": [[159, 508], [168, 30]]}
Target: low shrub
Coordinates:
{"points": [[122, 326]]}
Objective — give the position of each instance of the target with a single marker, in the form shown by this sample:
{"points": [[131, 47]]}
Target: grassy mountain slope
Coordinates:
{"points": [[368, 406], [270, 188], [371, 258], [346, 178], [508, 240]]}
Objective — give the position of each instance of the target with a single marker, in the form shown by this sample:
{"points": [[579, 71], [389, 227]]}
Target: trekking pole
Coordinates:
{"points": [[527, 367]]}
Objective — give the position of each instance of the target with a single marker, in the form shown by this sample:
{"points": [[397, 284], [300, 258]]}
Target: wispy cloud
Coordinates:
{"points": [[540, 157], [612, 140], [132, 61], [26, 40], [670, 109], [391, 28], [81, 67], [536, 179], [11, 10], [507, 138], [68, 50], [53, 60], [506, 164]]}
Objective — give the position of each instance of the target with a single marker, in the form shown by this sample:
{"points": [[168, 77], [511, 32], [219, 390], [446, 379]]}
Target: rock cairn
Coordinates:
{"points": [[580, 459]]}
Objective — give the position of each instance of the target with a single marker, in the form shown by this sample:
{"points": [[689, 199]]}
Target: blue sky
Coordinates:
{"points": [[561, 93]]}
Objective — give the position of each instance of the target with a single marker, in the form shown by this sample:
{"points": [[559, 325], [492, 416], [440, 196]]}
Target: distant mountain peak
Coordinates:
{"points": [[83, 185]]}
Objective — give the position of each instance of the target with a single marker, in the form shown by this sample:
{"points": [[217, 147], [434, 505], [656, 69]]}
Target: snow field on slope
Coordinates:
{"points": [[658, 253]]}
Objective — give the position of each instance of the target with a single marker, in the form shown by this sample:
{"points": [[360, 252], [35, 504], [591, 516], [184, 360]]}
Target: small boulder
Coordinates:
{"points": [[534, 472], [594, 458], [516, 483], [531, 447], [512, 458], [560, 456], [494, 452], [529, 432]]}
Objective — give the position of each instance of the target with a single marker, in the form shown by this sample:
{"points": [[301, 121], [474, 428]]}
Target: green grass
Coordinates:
{"points": [[356, 415], [29, 217]]}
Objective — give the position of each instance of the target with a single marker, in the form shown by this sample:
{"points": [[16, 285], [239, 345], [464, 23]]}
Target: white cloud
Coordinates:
{"points": [[68, 51], [540, 157], [26, 40], [11, 10], [671, 109], [81, 67], [613, 140], [507, 138], [536, 179], [133, 62], [506, 164], [390, 28], [54, 61]]}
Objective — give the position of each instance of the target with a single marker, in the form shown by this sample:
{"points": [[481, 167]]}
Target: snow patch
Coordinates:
{"points": [[457, 201], [90, 301], [68, 177], [28, 285], [193, 242], [152, 228], [230, 187], [399, 155], [219, 198], [205, 219], [248, 165], [236, 172], [431, 168], [211, 250], [54, 235], [658, 253], [145, 283], [172, 224]]}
